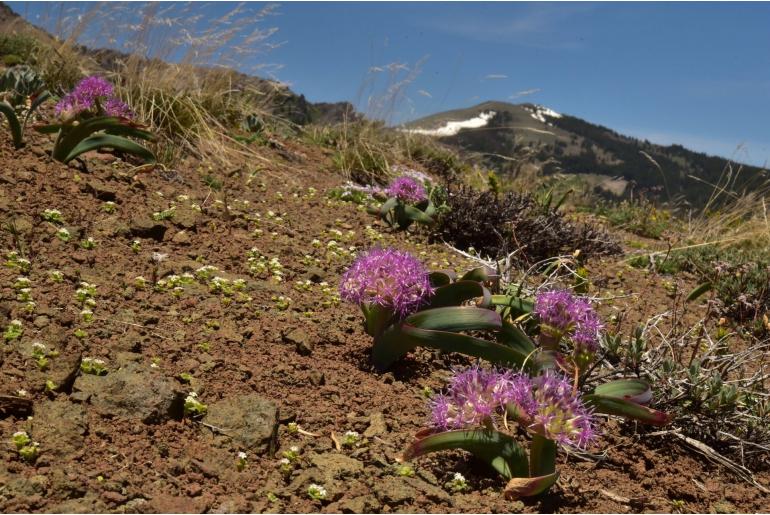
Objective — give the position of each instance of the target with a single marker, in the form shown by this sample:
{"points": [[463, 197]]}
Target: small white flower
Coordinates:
{"points": [[157, 257], [21, 393], [284, 461], [241, 455], [458, 477]]}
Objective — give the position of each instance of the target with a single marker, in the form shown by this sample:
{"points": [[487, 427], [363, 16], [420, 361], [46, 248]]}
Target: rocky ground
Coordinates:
{"points": [[263, 354]]}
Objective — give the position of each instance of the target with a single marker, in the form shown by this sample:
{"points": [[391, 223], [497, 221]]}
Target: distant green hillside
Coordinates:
{"points": [[567, 144]]}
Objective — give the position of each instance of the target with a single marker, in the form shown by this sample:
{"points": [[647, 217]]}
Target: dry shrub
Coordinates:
{"points": [[498, 225]]}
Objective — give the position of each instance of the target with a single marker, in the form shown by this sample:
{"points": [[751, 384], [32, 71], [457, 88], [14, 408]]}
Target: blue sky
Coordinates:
{"points": [[697, 74]]}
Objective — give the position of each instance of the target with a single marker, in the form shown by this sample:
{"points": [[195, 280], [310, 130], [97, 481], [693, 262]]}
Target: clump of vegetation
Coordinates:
{"points": [[738, 277], [498, 225], [92, 118], [639, 216], [408, 202], [23, 92], [404, 307]]}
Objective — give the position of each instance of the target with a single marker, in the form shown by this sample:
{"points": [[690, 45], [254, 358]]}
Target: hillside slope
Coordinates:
{"points": [[564, 143]]}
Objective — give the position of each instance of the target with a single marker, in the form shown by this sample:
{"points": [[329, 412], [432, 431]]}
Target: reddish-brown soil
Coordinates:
{"points": [[325, 383]]}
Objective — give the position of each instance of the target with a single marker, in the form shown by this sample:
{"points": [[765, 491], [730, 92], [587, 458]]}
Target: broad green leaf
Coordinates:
{"points": [[441, 278], [377, 318], [542, 456], [627, 409], [516, 338], [13, 123], [698, 291], [480, 274], [456, 293], [634, 390], [518, 306], [455, 319], [48, 129], [519, 487], [436, 329], [497, 449], [73, 135], [108, 140], [387, 206], [412, 213]]}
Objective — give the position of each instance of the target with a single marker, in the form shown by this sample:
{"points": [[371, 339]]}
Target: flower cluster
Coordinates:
{"points": [[545, 404], [562, 313], [559, 412], [476, 395], [407, 189], [92, 93], [388, 278]]}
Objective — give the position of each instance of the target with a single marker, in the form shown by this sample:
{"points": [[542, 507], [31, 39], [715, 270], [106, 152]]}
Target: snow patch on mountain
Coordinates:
{"points": [[539, 113], [453, 127]]}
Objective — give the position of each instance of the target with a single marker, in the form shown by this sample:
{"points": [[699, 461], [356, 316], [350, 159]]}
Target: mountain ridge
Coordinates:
{"points": [[568, 144]]}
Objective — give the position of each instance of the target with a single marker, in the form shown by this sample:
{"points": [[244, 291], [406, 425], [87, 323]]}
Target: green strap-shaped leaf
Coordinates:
{"points": [[456, 293], [108, 140], [73, 135], [518, 341], [13, 123], [634, 390], [542, 456], [414, 214], [480, 274], [627, 409], [387, 206], [519, 487], [437, 329], [48, 129], [441, 278], [498, 450], [518, 306], [698, 291]]}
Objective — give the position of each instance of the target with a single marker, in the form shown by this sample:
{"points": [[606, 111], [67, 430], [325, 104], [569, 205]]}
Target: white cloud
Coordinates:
{"points": [[495, 76], [424, 93], [524, 93]]}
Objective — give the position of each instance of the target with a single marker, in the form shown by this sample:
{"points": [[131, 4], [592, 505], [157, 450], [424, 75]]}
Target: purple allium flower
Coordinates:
{"points": [[546, 404], [562, 312], [113, 106], [407, 189], [87, 94], [477, 394], [389, 278], [561, 413]]}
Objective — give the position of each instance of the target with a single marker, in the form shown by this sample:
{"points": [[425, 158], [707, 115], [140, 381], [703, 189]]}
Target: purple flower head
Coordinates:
{"points": [[91, 88], [407, 189], [565, 314], [88, 94], [113, 106], [546, 404], [389, 278], [477, 394], [560, 414]]}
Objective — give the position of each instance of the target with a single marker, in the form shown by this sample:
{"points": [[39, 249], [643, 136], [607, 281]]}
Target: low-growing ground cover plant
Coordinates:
{"points": [[92, 118], [22, 92]]}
